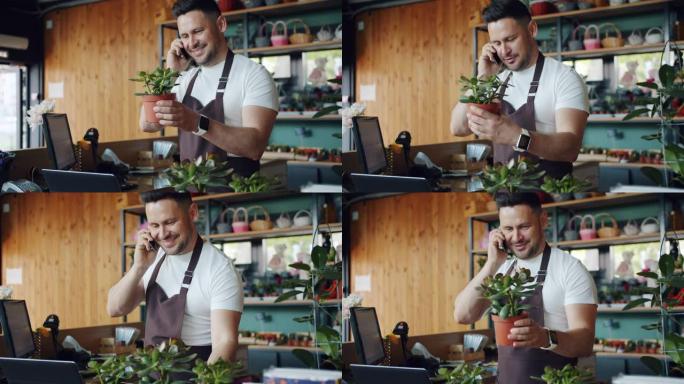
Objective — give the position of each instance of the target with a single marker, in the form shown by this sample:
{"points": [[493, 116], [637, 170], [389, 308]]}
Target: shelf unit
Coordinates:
{"points": [[256, 302], [209, 201]]}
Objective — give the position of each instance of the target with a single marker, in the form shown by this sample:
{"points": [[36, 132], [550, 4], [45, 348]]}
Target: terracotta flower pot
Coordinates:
{"points": [[503, 327], [494, 108], [148, 103]]}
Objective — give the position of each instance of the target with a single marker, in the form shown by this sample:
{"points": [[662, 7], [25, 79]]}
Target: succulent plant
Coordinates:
{"points": [[159, 82], [506, 292], [479, 90], [569, 374], [198, 175], [220, 372], [254, 183], [567, 184], [515, 176], [464, 373]]}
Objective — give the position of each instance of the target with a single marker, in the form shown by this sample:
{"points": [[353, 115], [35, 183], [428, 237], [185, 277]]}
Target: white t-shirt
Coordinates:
{"points": [[215, 285], [249, 83], [559, 87], [567, 282]]}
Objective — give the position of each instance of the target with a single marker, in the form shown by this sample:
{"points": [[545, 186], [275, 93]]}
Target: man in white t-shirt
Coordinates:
{"points": [[225, 106], [564, 328], [543, 120], [192, 290]]}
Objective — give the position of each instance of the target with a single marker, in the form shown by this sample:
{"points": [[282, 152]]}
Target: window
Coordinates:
{"points": [[280, 252], [321, 66], [10, 107], [588, 257], [278, 66], [240, 253], [626, 260], [632, 69], [590, 69]]}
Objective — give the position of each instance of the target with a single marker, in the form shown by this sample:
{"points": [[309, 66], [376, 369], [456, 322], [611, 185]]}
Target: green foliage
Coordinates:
{"points": [[567, 375], [220, 372], [156, 83], [198, 175], [567, 184], [113, 370], [464, 373], [671, 88], [511, 177], [254, 183], [479, 91], [323, 272], [506, 292]]}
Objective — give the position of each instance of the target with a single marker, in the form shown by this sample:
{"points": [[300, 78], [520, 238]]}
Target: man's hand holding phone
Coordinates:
{"points": [[177, 58], [489, 62], [145, 250], [497, 251]]}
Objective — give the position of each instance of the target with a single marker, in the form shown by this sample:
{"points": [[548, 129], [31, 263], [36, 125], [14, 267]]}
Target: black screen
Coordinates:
{"points": [[58, 136], [18, 326], [367, 335], [370, 144]]}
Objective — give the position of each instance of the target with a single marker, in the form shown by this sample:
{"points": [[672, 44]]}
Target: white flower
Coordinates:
{"points": [[35, 113], [347, 113], [353, 300]]}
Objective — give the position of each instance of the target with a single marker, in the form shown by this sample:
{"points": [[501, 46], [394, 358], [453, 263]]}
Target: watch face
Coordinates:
{"points": [[524, 142], [554, 337], [204, 122]]}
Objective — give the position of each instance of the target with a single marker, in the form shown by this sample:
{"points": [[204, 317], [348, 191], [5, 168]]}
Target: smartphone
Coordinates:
{"points": [[497, 59], [154, 245]]}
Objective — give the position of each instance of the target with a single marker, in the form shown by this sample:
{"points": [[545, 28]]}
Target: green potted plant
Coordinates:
{"points": [[157, 86], [220, 372], [254, 183], [562, 189], [197, 176], [481, 92], [463, 373], [158, 364], [512, 177], [505, 294], [567, 375], [113, 370]]}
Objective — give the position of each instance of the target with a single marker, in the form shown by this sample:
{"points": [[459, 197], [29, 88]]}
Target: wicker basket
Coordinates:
{"points": [[240, 224], [279, 39], [605, 231], [611, 41], [570, 232], [262, 40], [223, 226], [587, 233], [260, 224], [300, 37], [592, 42]]}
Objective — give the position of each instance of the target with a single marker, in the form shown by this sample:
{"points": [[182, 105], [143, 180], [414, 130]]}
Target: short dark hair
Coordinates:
{"points": [[500, 9], [511, 199], [208, 7], [182, 198]]}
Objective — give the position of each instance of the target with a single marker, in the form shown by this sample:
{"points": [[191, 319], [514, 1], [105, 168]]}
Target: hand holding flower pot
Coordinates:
{"points": [[157, 85], [482, 92], [507, 294]]}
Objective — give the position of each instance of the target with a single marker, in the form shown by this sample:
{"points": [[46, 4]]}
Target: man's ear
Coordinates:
{"points": [[193, 211], [221, 23], [533, 28], [544, 219]]}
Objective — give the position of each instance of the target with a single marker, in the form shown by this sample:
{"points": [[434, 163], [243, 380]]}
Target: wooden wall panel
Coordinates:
{"points": [[415, 248], [414, 55], [68, 247], [94, 49]]}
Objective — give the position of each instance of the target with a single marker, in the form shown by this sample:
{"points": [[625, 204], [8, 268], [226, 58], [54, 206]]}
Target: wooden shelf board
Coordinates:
{"points": [[608, 241], [308, 118], [632, 165], [315, 46], [275, 232], [275, 10], [611, 51], [600, 12], [627, 354], [229, 198], [617, 118], [287, 303], [590, 202]]}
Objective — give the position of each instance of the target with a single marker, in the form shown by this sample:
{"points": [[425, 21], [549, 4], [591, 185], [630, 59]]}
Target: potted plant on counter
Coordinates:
{"points": [[254, 183], [506, 293], [464, 373], [196, 176], [220, 372], [481, 92], [567, 375], [157, 86], [563, 189], [515, 176]]}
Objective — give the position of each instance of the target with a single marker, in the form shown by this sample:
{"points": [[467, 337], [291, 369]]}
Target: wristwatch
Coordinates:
{"points": [[202, 126], [524, 141], [553, 339]]}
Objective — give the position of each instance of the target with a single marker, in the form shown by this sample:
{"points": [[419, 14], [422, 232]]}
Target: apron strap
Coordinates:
{"points": [[541, 274], [534, 84], [187, 279], [223, 80], [153, 277]]}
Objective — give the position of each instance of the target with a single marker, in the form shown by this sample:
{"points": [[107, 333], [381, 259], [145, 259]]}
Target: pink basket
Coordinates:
{"points": [[276, 39], [589, 41], [240, 225], [585, 232]]}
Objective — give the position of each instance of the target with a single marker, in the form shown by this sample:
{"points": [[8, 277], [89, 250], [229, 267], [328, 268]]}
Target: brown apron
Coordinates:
{"points": [[165, 314], [516, 365], [193, 146], [524, 117]]}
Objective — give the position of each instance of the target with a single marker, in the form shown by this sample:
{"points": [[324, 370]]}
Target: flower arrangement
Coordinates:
{"points": [[347, 113], [353, 300], [34, 116]]}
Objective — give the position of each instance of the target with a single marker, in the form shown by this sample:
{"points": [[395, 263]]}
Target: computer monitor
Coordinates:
{"points": [[369, 143], [32, 371], [367, 337], [16, 328], [59, 143]]}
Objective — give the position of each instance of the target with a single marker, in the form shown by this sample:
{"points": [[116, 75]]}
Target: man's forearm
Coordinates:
{"points": [[242, 141], [563, 146], [224, 349], [124, 296], [470, 305], [459, 122], [575, 342]]}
